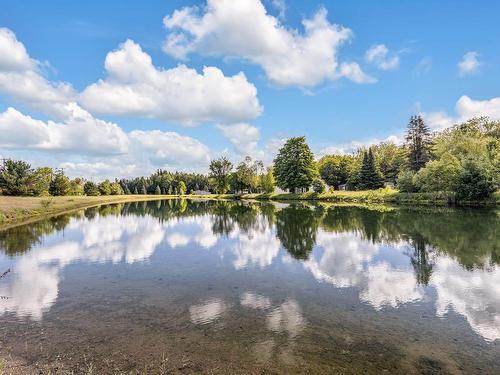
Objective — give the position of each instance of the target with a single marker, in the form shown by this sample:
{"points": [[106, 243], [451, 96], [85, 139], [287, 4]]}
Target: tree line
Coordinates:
{"points": [[463, 159]]}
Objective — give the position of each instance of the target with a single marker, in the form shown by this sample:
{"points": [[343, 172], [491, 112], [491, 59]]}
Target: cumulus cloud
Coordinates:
{"points": [[289, 57], [80, 132], [21, 78], [469, 63], [380, 56], [466, 108], [134, 86], [83, 136], [244, 137]]}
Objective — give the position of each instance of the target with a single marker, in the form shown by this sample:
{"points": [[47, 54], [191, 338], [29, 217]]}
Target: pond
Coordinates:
{"points": [[241, 287]]}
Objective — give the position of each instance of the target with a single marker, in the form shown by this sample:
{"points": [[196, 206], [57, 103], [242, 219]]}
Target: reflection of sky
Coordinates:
{"points": [[381, 272]]}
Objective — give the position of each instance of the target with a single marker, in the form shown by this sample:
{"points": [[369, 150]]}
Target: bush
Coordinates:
{"points": [[318, 185], [474, 184], [405, 182], [90, 189]]}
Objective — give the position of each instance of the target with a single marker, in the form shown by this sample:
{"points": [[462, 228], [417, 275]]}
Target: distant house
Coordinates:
{"points": [[343, 187], [200, 192], [389, 185]]}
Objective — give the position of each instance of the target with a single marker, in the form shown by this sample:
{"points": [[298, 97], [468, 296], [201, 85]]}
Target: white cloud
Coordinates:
{"points": [[466, 108], [469, 63], [81, 136], [81, 132], [208, 311], [244, 137], [353, 71], [280, 6], [245, 30], [380, 56], [134, 86], [21, 78], [353, 146]]}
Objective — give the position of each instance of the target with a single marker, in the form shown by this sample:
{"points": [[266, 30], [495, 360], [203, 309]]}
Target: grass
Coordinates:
{"points": [[377, 196], [19, 210]]}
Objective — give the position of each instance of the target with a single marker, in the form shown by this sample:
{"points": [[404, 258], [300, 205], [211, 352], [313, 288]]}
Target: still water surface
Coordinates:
{"points": [[252, 288]]}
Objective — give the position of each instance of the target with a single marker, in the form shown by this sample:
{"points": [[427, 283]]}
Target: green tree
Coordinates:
{"points": [[391, 159], [90, 189], [143, 190], [294, 166], [220, 170], [370, 176], [418, 142], [182, 188], [14, 177], [59, 185], [474, 183], [158, 190], [335, 169], [76, 186], [266, 181], [39, 182], [116, 188], [245, 176], [439, 175], [135, 191], [105, 187], [406, 181], [318, 185]]}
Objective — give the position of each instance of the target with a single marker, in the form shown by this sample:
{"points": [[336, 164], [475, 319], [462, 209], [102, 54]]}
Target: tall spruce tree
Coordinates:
{"points": [[418, 142], [370, 176]]}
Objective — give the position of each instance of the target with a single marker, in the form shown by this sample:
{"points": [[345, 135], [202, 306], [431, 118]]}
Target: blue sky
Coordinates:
{"points": [[341, 73]]}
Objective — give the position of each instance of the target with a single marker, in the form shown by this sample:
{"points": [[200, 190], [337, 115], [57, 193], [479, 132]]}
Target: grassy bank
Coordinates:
{"points": [[19, 210], [379, 196]]}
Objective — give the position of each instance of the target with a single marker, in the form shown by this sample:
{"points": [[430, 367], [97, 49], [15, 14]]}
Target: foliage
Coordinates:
{"points": [[245, 177], [390, 158], [39, 182], [14, 177], [370, 176], [219, 173], [418, 142], [116, 188], [335, 169], [182, 188], [318, 185], [157, 190], [474, 183], [294, 166], [91, 189], [439, 175], [59, 185], [266, 181], [405, 181], [76, 186], [104, 187]]}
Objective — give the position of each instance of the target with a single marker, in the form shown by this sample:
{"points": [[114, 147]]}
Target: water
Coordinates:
{"points": [[252, 288]]}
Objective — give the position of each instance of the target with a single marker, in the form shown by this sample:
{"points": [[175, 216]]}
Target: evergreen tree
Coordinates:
{"points": [[90, 189], [370, 176], [14, 177], [418, 142], [135, 191], [59, 185], [294, 166], [143, 189], [157, 190]]}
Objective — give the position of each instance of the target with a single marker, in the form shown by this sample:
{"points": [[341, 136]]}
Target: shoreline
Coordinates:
{"points": [[16, 211]]}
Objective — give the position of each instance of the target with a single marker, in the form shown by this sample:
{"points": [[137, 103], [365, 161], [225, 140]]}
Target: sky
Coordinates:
{"points": [[121, 88]]}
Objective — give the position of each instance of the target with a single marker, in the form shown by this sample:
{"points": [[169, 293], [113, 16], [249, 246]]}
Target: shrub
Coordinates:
{"points": [[318, 185], [474, 183], [405, 181]]}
